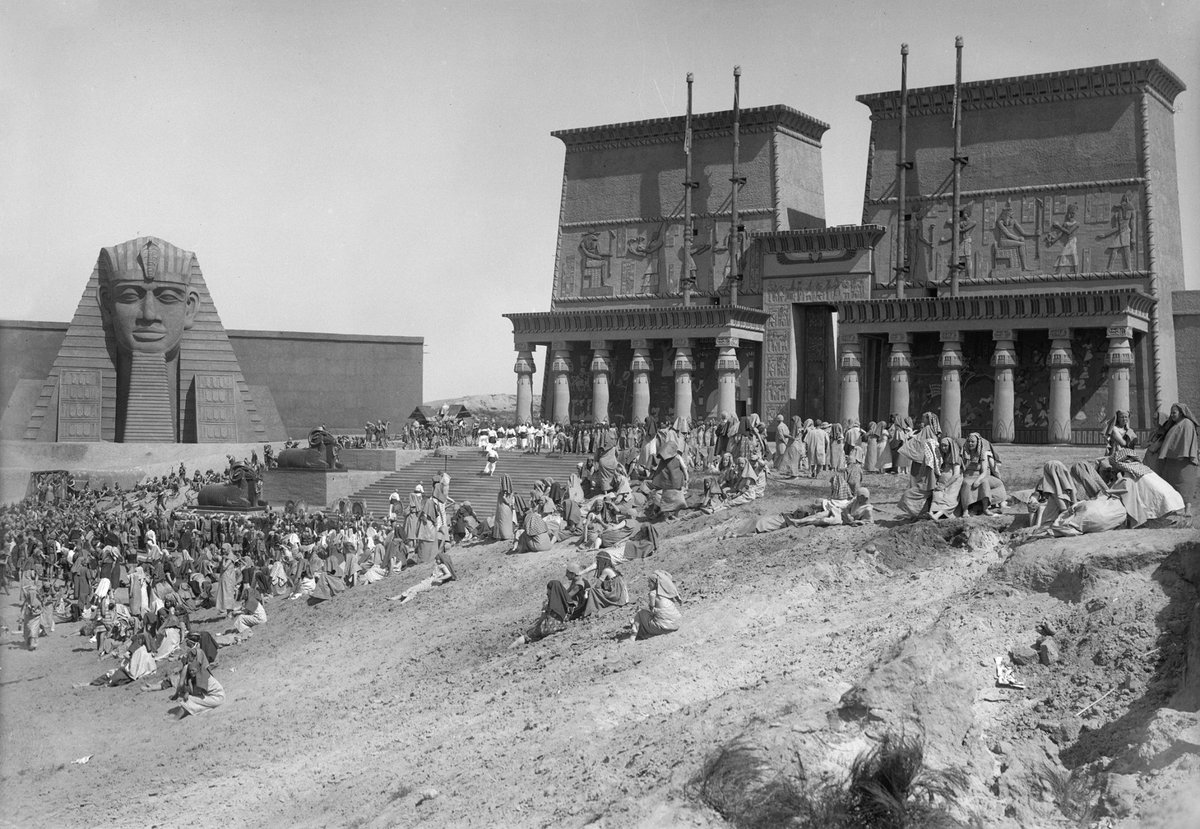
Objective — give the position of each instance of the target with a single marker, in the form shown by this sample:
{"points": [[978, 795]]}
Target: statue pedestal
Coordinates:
{"points": [[368, 460], [315, 487]]}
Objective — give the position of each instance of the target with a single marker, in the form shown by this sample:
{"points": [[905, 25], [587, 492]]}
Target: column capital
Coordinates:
{"points": [[725, 341], [1119, 332], [641, 360], [850, 360], [600, 361], [683, 360], [1060, 354], [524, 363], [951, 356], [1005, 355]]}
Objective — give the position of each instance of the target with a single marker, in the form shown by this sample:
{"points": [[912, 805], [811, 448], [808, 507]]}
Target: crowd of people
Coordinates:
{"points": [[134, 568]]}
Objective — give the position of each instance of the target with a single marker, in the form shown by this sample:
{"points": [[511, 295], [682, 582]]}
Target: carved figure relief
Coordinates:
{"points": [[964, 226], [1123, 222], [1009, 239], [595, 262], [1064, 233]]}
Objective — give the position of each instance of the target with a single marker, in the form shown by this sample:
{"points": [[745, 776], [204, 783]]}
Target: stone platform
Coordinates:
{"points": [[368, 460], [316, 488]]}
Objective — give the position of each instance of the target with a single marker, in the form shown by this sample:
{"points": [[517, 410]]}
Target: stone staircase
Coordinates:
{"points": [[466, 484]]}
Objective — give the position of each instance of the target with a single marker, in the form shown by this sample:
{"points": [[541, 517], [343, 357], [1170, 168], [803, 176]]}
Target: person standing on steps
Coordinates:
{"points": [[492, 456]]}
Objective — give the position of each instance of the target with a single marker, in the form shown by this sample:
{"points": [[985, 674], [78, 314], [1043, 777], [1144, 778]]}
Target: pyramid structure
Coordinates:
{"points": [[78, 400]]}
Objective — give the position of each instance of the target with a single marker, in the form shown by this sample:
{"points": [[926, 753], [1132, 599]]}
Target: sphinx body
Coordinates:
{"points": [[321, 454], [242, 491]]}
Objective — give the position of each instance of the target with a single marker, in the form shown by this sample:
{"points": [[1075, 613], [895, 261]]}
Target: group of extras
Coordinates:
{"points": [[952, 477], [78, 551]]}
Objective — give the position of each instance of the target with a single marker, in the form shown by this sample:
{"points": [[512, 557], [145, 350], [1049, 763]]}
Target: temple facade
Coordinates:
{"points": [[1061, 309]]}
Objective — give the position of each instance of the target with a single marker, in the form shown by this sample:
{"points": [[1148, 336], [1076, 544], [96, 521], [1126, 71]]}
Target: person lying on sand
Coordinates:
{"points": [[443, 572]]}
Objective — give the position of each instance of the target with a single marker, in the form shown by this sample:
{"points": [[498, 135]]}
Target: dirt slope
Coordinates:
{"points": [[360, 712]]}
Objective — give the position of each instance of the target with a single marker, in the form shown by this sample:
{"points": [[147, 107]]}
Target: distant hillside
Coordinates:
{"points": [[486, 406]]}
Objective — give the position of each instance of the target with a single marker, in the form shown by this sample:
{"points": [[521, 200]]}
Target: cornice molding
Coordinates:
{"points": [[704, 125], [841, 237], [1028, 189], [678, 217], [612, 321], [988, 307], [1131, 78]]}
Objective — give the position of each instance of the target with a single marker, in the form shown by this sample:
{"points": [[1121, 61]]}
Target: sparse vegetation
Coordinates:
{"points": [[1076, 793], [888, 787]]}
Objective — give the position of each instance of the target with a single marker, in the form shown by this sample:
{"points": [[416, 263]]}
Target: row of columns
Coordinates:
{"points": [[1004, 360], [683, 365]]}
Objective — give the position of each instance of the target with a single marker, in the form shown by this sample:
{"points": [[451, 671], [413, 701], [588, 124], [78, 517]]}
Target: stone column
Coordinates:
{"points": [[641, 367], [727, 375], [1120, 364], [684, 365], [560, 370], [524, 368], [1060, 363], [851, 364], [1004, 398], [951, 363], [900, 361], [601, 372]]}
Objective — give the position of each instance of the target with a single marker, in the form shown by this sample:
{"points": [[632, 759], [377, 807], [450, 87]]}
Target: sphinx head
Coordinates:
{"points": [[146, 295]]}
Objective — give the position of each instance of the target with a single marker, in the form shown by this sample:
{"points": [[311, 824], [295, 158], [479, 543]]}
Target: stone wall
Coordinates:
{"points": [[340, 380], [1187, 346]]}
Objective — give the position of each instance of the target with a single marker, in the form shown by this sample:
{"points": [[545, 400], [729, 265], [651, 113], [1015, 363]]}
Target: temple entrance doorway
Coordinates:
{"points": [[817, 394]]}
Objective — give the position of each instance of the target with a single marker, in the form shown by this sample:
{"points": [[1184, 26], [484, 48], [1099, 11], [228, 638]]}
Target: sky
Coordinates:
{"points": [[387, 167]]}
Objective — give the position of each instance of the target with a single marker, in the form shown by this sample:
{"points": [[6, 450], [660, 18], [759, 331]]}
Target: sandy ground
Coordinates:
{"points": [[807, 642]]}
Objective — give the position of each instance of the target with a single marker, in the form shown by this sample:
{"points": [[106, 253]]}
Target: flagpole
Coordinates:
{"points": [[902, 168], [688, 266], [735, 232], [959, 160]]}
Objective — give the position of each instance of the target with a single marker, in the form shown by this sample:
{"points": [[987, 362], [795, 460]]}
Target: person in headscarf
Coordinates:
{"points": [[876, 446], [430, 533], [982, 486], [1119, 434], [503, 522], [748, 437], [661, 614], [197, 689], [727, 431], [670, 479], [816, 446], [535, 534], [227, 580], [1178, 457], [1146, 495], [443, 573], [1095, 510], [31, 609], [783, 436], [465, 524], [948, 488], [605, 463], [925, 464], [254, 612], [793, 456], [555, 613], [898, 433], [412, 521], [837, 446], [1055, 494], [856, 437]]}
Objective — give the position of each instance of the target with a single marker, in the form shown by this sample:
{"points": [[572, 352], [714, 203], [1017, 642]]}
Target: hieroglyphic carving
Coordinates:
{"points": [[216, 413], [79, 405]]}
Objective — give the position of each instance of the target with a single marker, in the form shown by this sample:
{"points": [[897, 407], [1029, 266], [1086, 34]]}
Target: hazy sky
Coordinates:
{"points": [[387, 167]]}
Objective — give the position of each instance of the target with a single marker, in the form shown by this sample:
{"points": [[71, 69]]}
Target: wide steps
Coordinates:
{"points": [[466, 484]]}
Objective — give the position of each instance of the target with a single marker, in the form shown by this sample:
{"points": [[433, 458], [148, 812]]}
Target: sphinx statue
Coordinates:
{"points": [[242, 491], [321, 454], [147, 301]]}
